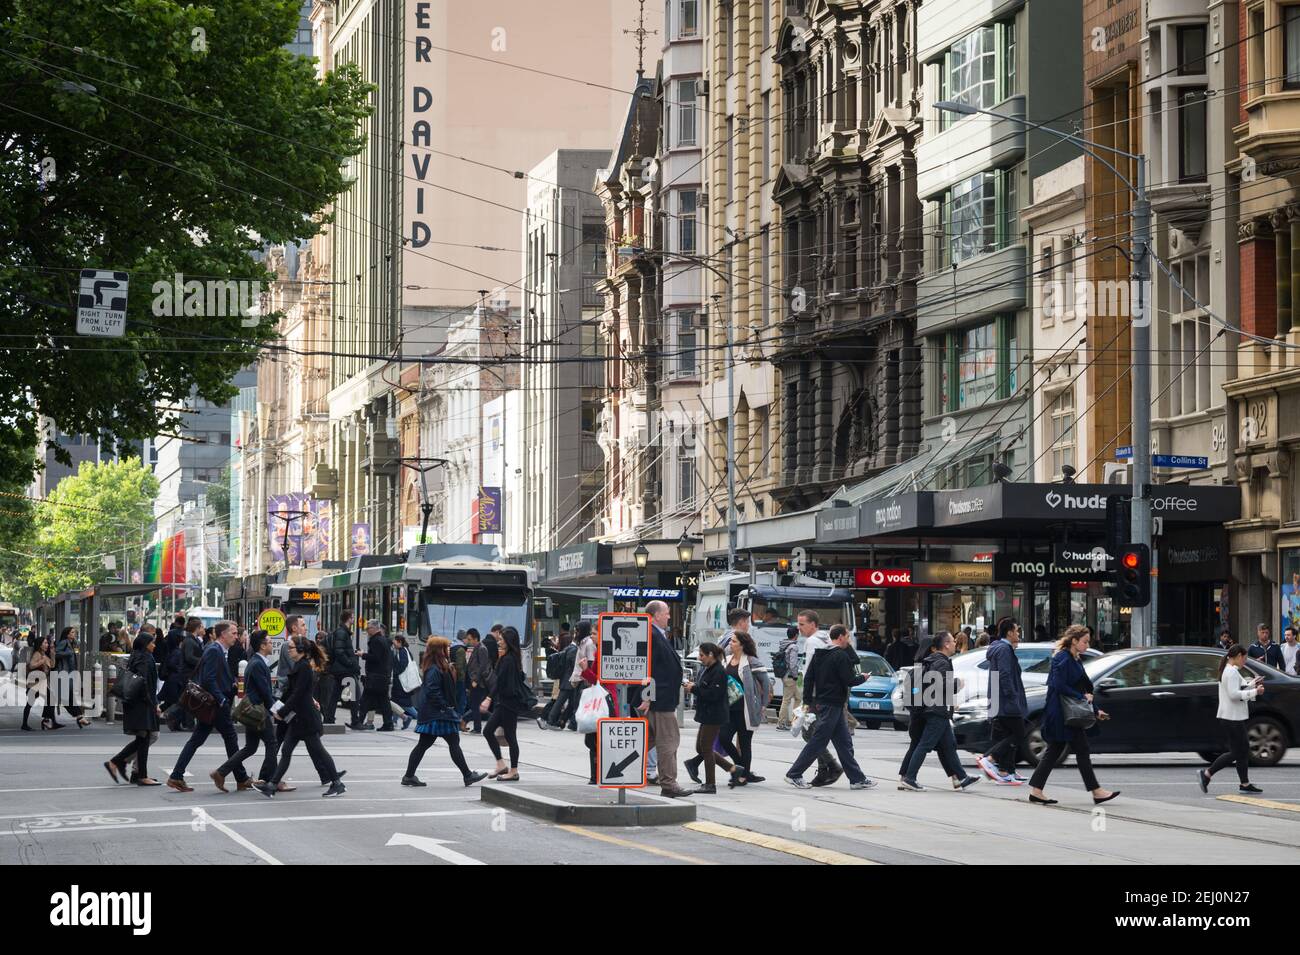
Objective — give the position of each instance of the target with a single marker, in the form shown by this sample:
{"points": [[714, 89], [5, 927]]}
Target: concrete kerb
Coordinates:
{"points": [[589, 806]]}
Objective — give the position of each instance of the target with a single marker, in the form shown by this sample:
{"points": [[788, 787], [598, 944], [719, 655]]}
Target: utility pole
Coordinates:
{"points": [[1143, 619]]}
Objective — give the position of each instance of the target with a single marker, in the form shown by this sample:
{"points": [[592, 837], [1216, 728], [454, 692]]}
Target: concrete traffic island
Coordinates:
{"points": [[581, 805]]}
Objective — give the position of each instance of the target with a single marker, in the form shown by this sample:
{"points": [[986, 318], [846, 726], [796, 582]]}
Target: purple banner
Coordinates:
{"points": [[360, 539], [308, 522], [489, 510]]}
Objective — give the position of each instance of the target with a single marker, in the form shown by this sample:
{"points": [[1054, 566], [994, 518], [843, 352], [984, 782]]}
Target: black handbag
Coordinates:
{"points": [[128, 687], [1078, 713]]}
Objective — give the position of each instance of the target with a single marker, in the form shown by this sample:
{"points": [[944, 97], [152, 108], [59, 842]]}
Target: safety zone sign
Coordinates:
{"points": [[623, 655], [621, 752], [272, 621]]}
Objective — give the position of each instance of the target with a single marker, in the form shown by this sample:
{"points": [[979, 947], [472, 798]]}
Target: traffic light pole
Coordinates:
{"points": [[1143, 621]]}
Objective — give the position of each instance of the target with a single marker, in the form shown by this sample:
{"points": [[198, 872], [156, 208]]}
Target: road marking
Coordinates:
{"points": [[58, 789], [228, 804], [434, 847], [189, 823], [201, 817], [628, 844], [1261, 803], [778, 844]]}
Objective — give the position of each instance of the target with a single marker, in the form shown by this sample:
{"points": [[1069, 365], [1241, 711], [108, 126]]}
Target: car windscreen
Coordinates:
{"points": [[874, 665], [451, 614], [788, 610]]}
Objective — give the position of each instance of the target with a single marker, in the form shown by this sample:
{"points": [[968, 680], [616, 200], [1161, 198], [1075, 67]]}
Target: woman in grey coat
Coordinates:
{"points": [[749, 690]]}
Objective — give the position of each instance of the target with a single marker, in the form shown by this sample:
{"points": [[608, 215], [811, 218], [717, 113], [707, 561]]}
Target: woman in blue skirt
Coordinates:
{"points": [[438, 717]]}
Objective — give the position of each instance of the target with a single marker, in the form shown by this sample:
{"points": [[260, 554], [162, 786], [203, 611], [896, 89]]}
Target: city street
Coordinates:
{"points": [[57, 806]]}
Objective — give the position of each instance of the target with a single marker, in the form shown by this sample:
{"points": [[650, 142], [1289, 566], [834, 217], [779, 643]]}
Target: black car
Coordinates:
{"points": [[1162, 700]]}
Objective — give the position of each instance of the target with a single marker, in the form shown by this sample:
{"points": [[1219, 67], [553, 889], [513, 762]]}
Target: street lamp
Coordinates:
{"points": [[685, 551], [642, 557], [1144, 618]]}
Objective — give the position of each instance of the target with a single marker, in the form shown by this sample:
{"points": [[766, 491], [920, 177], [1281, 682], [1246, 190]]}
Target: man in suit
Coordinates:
{"points": [[344, 666], [257, 690], [660, 706], [191, 643], [1265, 649], [213, 676], [379, 674]]}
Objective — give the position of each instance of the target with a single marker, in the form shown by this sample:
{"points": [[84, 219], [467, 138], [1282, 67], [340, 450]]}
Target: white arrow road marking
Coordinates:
{"points": [[206, 819], [435, 847]]}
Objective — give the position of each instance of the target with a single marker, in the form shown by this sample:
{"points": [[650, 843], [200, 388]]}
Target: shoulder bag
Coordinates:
{"points": [[1078, 714]]}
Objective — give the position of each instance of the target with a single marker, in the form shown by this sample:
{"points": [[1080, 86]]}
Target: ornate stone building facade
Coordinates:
{"points": [[849, 362]]}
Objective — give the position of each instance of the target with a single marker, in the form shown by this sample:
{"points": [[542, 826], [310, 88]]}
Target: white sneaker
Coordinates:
{"points": [[990, 768]]}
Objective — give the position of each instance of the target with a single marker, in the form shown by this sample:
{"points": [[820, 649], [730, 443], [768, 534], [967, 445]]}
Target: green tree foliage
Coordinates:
{"points": [[17, 528], [153, 137], [103, 509]]}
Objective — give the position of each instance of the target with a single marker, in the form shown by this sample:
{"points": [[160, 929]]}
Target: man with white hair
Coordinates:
{"points": [[660, 705]]}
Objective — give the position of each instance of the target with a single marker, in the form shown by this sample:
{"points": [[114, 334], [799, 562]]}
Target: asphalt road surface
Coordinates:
{"points": [[57, 805]]}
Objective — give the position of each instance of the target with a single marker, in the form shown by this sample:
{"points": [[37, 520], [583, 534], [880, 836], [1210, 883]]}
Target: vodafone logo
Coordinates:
{"points": [[877, 577], [883, 577]]}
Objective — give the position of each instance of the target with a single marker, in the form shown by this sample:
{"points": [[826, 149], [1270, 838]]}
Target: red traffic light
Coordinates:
{"points": [[1131, 559]]}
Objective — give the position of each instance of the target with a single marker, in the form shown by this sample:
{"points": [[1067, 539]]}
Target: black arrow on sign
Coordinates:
{"points": [[616, 769], [616, 631]]}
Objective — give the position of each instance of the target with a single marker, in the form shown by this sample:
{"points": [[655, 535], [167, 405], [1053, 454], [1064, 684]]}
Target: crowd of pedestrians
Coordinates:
{"points": [[203, 681]]}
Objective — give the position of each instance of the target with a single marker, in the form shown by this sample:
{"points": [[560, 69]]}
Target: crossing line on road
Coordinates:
{"points": [[202, 816], [777, 844], [629, 844]]}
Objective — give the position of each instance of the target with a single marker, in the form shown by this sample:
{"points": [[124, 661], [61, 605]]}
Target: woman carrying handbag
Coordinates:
{"points": [[1237, 687], [40, 661], [406, 679], [298, 708], [1068, 716], [438, 718], [140, 715]]}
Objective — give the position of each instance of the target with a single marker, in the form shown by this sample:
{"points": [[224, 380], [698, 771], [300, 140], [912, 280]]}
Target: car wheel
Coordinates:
{"points": [[1036, 746], [1267, 741], [1208, 756]]}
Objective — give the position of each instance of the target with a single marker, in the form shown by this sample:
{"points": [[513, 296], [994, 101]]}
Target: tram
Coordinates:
{"points": [[437, 589], [296, 591]]}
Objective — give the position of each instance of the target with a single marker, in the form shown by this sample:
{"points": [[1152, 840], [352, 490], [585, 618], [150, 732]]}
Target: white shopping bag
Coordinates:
{"points": [[593, 705]]}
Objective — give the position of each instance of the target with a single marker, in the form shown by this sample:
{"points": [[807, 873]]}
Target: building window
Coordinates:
{"points": [[686, 345], [1069, 249], [1190, 336], [686, 469], [1192, 136], [688, 22], [979, 69], [977, 365], [1291, 46], [729, 36], [1060, 436], [686, 113], [1191, 50], [972, 217], [686, 213], [1049, 296], [767, 136]]}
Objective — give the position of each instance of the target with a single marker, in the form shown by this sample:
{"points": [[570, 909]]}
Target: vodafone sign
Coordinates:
{"points": [[883, 577]]}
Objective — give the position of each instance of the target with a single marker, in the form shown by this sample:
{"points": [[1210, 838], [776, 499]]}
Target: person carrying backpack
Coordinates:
{"points": [[343, 666], [565, 705], [785, 667]]}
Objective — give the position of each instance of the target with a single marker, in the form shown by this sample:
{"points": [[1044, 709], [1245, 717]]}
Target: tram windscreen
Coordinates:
{"points": [[450, 613]]}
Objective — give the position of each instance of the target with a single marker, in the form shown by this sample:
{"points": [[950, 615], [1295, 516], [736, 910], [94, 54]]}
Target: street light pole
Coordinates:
{"points": [[1143, 621]]}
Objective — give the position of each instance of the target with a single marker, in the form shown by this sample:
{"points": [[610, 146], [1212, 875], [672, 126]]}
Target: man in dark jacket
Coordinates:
{"points": [[1264, 649], [938, 687], [191, 646], [213, 676], [257, 690], [1007, 707], [659, 702], [379, 673], [826, 689], [344, 666], [478, 668]]}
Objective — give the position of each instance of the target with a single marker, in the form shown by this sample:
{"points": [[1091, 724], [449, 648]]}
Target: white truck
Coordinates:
{"points": [[774, 601]]}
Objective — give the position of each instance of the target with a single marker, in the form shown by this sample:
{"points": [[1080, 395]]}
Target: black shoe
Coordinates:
{"points": [[413, 781], [267, 790], [25, 727], [1249, 788], [1203, 780], [338, 789], [387, 729], [473, 778], [751, 778], [1103, 799], [705, 790], [693, 769], [737, 778], [1041, 801], [829, 779]]}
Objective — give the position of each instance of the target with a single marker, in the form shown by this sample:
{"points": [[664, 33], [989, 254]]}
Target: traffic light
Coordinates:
{"points": [[784, 576], [1133, 575]]}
